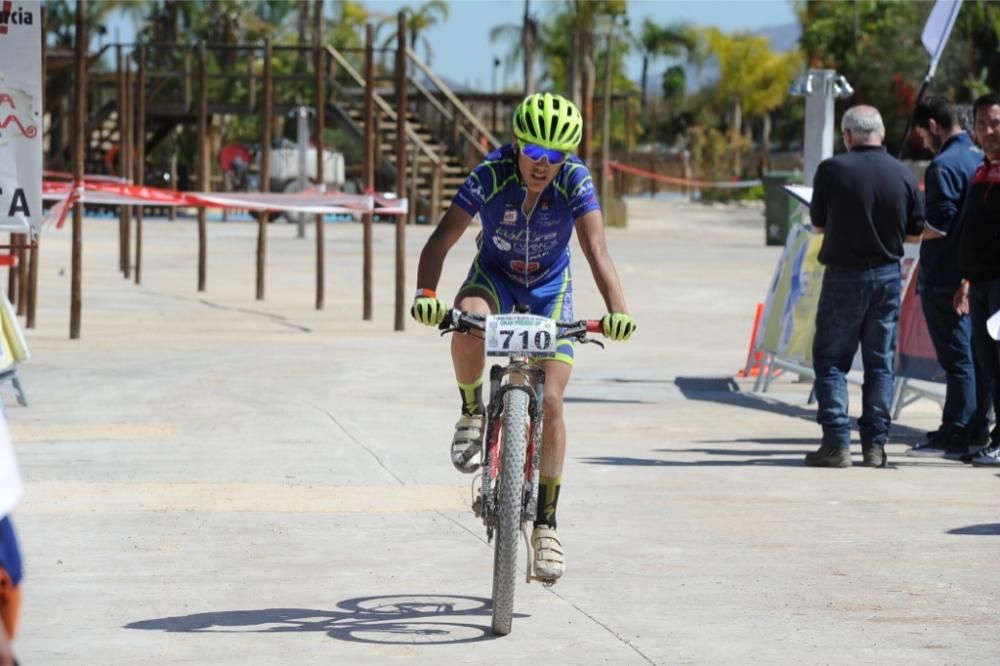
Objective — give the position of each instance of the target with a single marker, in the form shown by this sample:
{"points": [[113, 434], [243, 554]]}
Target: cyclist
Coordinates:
{"points": [[529, 195]]}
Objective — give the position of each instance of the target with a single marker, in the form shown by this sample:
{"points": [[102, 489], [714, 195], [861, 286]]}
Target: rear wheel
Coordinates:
{"points": [[510, 494]]}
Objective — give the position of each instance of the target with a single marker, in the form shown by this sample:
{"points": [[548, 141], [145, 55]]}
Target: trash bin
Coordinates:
{"points": [[780, 209]]}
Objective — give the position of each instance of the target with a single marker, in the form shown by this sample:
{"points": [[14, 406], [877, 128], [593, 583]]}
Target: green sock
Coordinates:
{"points": [[548, 498], [472, 397]]}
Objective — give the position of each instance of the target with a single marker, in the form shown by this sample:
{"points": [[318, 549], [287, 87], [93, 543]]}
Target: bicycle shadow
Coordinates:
{"points": [[725, 390], [990, 529], [433, 619]]}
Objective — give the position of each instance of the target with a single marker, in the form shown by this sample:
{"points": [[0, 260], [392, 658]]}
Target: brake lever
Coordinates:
{"points": [[591, 341]]}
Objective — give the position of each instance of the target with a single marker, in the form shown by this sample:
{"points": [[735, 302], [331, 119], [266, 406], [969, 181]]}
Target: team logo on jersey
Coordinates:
{"points": [[509, 216], [502, 244], [546, 203], [524, 267]]}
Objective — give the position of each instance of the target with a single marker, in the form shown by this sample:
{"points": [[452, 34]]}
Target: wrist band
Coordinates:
{"points": [[426, 293]]}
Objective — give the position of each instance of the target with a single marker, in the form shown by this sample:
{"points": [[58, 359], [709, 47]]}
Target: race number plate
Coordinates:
{"points": [[520, 335]]}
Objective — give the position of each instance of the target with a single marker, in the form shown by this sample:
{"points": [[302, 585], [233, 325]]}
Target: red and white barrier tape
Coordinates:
{"points": [[681, 181], [121, 194]]}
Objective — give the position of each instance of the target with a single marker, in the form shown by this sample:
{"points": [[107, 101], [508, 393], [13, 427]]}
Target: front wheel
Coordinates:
{"points": [[510, 493]]}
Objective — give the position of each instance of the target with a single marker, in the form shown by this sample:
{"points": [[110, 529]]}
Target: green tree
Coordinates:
{"points": [[654, 41], [876, 45], [674, 83], [346, 29], [753, 81]]}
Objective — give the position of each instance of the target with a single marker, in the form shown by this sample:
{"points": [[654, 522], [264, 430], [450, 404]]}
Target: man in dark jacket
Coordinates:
{"points": [[946, 185], [866, 203], [979, 256]]}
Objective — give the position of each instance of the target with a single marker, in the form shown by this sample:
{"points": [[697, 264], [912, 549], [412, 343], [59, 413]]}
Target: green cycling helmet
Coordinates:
{"points": [[550, 121]]}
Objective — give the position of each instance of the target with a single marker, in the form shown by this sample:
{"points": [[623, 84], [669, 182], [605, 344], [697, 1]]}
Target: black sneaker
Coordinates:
{"points": [[874, 456], [829, 456], [932, 448], [974, 451]]}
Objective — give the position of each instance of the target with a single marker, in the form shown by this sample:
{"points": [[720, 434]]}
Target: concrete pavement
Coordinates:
{"points": [[216, 480]]}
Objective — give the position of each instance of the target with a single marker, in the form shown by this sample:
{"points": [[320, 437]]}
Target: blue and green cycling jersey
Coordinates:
{"points": [[533, 247]]}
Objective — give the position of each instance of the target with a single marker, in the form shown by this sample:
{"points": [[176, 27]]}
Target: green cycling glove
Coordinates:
{"points": [[427, 308], [617, 326]]}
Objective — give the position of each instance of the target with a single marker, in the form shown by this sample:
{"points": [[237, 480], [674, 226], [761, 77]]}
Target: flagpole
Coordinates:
{"points": [[909, 121], [934, 38]]}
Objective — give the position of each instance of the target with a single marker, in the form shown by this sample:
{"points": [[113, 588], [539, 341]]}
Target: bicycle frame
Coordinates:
{"points": [[520, 375]]}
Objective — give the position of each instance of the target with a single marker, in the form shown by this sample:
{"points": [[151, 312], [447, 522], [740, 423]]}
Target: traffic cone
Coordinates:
{"points": [[754, 360]]}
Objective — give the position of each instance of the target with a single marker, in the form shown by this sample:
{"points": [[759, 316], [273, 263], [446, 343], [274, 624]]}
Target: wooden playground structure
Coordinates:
{"points": [[418, 138], [412, 135]]}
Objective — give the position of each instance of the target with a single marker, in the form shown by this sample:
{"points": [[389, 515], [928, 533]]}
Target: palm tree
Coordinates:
{"points": [[654, 41], [523, 40], [418, 20]]}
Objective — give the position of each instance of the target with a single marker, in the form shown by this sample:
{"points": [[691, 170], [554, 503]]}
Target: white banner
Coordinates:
{"points": [[20, 115], [938, 27], [10, 479]]}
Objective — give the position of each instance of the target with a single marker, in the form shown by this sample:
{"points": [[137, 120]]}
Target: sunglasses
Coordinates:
{"points": [[535, 153]]}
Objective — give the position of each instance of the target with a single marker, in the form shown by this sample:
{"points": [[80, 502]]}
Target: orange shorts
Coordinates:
{"points": [[10, 603]]}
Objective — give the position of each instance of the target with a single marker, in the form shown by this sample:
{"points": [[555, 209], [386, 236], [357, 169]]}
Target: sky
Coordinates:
{"points": [[463, 52], [464, 55]]}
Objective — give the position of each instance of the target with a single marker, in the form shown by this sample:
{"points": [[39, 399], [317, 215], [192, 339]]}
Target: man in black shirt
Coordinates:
{"points": [[866, 203], [947, 180], [979, 257]]}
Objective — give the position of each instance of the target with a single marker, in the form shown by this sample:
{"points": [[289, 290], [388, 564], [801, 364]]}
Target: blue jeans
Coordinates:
{"points": [[856, 306], [952, 338], [984, 300]]}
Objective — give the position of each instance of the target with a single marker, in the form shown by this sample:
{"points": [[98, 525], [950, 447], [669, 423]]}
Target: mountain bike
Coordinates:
{"points": [[507, 499]]}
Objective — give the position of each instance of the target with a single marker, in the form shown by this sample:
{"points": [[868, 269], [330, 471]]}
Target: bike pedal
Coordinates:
{"points": [[547, 582]]}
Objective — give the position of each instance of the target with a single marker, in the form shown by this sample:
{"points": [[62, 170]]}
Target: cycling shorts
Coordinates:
{"points": [[552, 298]]}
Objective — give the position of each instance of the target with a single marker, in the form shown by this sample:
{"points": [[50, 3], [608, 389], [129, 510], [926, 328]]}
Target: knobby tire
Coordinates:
{"points": [[510, 494]]}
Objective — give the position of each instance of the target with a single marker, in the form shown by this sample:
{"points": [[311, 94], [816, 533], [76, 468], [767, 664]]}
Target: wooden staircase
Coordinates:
{"points": [[446, 139]]}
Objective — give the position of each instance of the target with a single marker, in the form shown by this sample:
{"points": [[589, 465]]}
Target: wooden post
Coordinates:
{"points": [[437, 184], [414, 162], [187, 78], [265, 168], [33, 269], [320, 71], [368, 170], [79, 141], [656, 147], [606, 110], [127, 138], [124, 164], [33, 284], [401, 169], [122, 248], [203, 167], [140, 155], [587, 110], [12, 275], [22, 275], [629, 142]]}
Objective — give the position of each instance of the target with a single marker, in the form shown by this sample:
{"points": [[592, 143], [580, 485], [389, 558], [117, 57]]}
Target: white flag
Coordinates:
{"points": [[937, 29]]}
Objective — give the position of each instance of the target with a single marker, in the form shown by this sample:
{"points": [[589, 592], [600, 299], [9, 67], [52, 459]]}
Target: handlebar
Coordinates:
{"points": [[460, 321]]}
